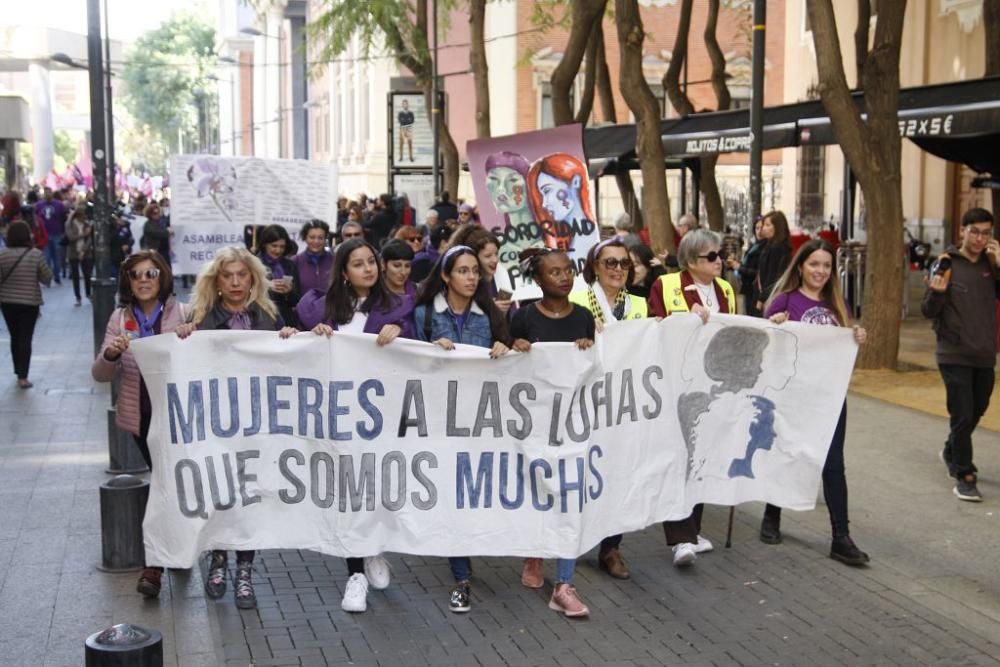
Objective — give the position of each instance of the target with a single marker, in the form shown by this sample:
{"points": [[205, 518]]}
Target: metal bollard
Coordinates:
{"points": [[123, 453], [123, 506], [124, 645]]}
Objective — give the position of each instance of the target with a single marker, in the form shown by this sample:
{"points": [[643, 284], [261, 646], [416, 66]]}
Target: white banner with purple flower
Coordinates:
{"points": [[214, 199]]}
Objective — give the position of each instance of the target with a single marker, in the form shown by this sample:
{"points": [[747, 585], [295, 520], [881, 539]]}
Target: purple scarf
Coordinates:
{"points": [[147, 326], [315, 258], [240, 321], [273, 263]]}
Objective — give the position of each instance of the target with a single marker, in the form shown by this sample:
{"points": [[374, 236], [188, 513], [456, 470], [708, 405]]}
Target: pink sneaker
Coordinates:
{"points": [[564, 599]]}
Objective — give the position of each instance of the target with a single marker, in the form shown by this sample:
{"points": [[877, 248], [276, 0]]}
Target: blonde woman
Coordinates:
{"points": [[232, 293]]}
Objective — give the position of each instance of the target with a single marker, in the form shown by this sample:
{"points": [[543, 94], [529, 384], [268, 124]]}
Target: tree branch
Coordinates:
{"points": [[584, 13]]}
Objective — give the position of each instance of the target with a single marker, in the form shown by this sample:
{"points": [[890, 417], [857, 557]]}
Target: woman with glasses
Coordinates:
{"points": [[487, 248], [608, 273], [315, 262], [454, 306], [698, 288], [411, 236], [231, 293], [552, 319], [147, 307]]}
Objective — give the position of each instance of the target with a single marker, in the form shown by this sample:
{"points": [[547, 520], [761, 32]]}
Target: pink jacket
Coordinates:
{"points": [[103, 370]]}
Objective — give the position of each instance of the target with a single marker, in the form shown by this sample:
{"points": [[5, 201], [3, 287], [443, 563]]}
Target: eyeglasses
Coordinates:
{"points": [[351, 235], [148, 274], [982, 233], [613, 263], [714, 255], [569, 272]]}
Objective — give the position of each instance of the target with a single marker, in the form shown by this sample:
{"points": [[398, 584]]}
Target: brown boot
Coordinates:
{"points": [[531, 574], [612, 562]]}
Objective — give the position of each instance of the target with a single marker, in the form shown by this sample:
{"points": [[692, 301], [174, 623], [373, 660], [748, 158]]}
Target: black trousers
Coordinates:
{"points": [[968, 389], [76, 267], [20, 319], [834, 481]]}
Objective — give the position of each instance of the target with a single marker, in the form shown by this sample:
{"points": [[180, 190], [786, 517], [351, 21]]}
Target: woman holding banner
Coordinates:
{"points": [[699, 289], [608, 272], [147, 307], [553, 319], [454, 306], [809, 292], [231, 293]]}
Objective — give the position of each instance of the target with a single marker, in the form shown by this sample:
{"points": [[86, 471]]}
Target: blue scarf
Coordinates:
{"points": [[147, 326]]}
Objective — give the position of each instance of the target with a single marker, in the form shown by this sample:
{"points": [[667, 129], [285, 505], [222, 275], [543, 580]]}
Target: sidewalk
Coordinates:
{"points": [[931, 595]]}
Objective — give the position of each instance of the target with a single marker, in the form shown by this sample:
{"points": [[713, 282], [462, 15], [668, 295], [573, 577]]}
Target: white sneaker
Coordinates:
{"points": [[356, 594], [377, 571], [684, 554], [703, 545]]}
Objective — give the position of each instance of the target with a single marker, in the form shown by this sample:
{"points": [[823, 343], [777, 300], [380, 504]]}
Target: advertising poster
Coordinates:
{"points": [[213, 199], [419, 189], [412, 137], [533, 189]]}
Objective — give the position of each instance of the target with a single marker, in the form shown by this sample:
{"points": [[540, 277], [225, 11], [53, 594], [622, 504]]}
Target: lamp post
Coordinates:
{"points": [[757, 108]]}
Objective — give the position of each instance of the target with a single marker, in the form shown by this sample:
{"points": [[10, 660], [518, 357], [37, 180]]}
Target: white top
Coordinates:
{"points": [[357, 323], [708, 297]]}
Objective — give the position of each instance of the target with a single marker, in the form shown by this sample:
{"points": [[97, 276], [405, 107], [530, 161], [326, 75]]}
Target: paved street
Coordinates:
{"points": [[931, 595]]}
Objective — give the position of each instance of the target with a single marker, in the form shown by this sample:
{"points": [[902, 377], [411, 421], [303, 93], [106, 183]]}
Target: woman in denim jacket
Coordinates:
{"points": [[454, 306]]}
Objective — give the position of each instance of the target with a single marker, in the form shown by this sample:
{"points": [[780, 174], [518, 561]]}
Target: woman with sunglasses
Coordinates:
{"points": [[147, 307], [454, 306], [552, 319], [231, 293], [608, 273], [810, 292], [274, 244], [698, 288], [315, 263]]}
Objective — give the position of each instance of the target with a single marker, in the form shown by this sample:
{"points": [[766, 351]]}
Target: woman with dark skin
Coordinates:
{"points": [[552, 319]]}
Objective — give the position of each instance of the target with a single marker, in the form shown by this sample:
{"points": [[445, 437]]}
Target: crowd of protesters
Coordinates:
{"points": [[381, 270]]}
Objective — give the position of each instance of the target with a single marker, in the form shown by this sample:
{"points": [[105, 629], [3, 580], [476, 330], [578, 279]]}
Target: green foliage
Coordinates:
{"points": [[166, 78], [64, 146]]}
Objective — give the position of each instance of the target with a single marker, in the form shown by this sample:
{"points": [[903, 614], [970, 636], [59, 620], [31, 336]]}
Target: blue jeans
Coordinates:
{"points": [[461, 568], [564, 570], [53, 256]]}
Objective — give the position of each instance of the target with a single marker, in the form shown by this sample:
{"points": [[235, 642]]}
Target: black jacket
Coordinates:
{"points": [[774, 259], [965, 315], [218, 318]]}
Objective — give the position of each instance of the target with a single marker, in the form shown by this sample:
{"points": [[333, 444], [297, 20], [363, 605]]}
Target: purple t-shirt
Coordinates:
{"points": [[801, 308], [53, 215]]}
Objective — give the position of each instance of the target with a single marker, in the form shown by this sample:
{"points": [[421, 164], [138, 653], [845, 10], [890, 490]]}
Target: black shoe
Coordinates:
{"points": [[770, 531], [245, 596], [215, 584], [965, 489], [846, 551], [458, 600]]}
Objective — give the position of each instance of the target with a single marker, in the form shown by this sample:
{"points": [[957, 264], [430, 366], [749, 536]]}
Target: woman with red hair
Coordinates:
{"points": [[559, 196]]}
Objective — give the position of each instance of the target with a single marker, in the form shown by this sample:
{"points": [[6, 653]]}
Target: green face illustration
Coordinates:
{"points": [[507, 189]]}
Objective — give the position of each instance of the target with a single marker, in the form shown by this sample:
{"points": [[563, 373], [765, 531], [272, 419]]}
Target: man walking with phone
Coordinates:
{"points": [[961, 299]]}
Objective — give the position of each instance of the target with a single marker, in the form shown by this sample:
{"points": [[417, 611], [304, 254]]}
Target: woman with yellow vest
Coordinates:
{"points": [[608, 272], [698, 288]]}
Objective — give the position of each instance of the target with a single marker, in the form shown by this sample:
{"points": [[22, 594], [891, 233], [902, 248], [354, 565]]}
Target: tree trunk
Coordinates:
{"points": [[874, 152], [480, 67], [645, 108], [991, 25], [590, 73], [861, 34], [584, 13]]}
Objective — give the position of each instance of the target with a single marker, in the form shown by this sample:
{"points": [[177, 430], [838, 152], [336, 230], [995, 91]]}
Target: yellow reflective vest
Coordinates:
{"points": [[673, 294], [637, 308]]}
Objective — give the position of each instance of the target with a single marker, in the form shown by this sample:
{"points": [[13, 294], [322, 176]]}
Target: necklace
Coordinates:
{"points": [[706, 294], [551, 313]]}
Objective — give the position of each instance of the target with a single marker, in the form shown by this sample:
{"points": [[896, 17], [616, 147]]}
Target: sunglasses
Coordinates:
{"points": [[614, 263], [352, 235], [714, 255], [148, 274]]}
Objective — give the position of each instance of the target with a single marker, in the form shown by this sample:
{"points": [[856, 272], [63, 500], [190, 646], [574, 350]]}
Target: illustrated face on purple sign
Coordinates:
{"points": [[560, 198], [506, 182]]}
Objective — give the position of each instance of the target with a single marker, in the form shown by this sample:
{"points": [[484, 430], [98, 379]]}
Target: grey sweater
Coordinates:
{"points": [[20, 282], [965, 315]]}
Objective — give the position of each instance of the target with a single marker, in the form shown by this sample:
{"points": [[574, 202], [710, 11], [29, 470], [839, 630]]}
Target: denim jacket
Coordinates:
{"points": [[442, 324]]}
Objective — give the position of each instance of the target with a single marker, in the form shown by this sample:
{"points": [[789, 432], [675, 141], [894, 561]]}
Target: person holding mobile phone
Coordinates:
{"points": [[961, 299]]}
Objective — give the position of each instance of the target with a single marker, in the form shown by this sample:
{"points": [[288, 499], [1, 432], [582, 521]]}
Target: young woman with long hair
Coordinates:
{"points": [[487, 248], [22, 268], [274, 245], [231, 293], [147, 307], [775, 254], [809, 292], [454, 306], [552, 319]]}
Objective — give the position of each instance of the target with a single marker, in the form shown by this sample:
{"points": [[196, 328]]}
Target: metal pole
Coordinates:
{"points": [[232, 109], [757, 107], [434, 104], [104, 284], [109, 119]]}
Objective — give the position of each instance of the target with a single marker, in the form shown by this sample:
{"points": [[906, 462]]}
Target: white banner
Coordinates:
{"points": [[213, 198], [339, 446]]}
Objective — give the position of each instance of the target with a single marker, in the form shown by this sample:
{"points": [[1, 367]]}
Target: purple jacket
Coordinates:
{"points": [[313, 276], [312, 311], [52, 214]]}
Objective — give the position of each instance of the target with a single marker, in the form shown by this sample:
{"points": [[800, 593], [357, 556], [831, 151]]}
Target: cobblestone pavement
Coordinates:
{"points": [[931, 595]]}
